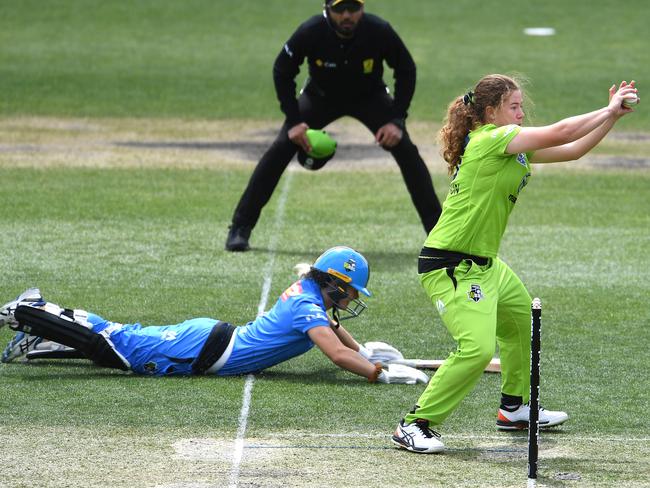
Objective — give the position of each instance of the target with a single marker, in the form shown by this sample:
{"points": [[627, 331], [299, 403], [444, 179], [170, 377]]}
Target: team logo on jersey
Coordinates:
{"points": [[350, 265], [319, 63], [368, 64], [475, 293], [150, 367], [521, 159]]}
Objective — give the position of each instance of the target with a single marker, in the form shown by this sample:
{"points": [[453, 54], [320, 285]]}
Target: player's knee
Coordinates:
{"points": [[480, 355]]}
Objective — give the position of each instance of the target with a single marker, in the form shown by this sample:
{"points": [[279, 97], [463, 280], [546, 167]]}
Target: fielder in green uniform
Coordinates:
{"points": [[480, 299]]}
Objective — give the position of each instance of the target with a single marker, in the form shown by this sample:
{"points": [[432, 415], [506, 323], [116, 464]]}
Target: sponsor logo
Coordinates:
{"points": [[318, 317], [475, 293], [440, 305], [454, 188], [113, 327], [168, 335], [512, 198], [288, 50], [325, 64], [368, 64], [503, 131]]}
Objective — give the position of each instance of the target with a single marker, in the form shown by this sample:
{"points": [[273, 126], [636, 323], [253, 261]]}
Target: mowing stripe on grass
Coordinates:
{"points": [[250, 379]]}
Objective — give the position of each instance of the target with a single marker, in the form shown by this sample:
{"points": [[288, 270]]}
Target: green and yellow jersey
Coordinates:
{"points": [[482, 194]]}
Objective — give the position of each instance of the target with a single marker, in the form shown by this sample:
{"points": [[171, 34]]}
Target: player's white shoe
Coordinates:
{"points": [[8, 309], [20, 345], [28, 347], [518, 419], [417, 437]]}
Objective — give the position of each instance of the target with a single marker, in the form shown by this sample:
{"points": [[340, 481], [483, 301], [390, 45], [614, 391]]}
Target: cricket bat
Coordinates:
{"points": [[493, 367]]}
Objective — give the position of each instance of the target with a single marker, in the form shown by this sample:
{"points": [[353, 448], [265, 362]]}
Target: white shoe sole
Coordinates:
{"points": [[431, 450]]}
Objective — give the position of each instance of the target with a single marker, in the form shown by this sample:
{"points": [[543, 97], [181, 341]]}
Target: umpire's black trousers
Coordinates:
{"points": [[317, 111]]}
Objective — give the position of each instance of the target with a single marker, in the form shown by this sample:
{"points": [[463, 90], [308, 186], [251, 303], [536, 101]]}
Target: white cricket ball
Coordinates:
{"points": [[630, 101]]}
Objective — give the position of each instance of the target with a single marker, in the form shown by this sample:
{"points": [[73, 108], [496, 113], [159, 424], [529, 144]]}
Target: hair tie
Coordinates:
{"points": [[468, 97]]}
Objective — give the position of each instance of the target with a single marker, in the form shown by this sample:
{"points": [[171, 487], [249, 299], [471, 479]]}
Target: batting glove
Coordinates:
{"points": [[379, 352], [400, 374]]}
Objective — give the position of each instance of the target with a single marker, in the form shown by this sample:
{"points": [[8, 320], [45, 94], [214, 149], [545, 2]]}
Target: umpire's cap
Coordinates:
{"points": [[323, 148], [336, 2]]}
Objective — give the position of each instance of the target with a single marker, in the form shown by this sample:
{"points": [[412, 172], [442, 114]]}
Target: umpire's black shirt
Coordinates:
{"points": [[344, 69]]}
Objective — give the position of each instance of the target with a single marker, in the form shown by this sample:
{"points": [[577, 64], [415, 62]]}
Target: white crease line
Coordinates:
{"points": [[250, 379], [505, 437]]}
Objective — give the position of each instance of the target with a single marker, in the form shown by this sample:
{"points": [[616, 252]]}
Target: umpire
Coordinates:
{"points": [[346, 50]]}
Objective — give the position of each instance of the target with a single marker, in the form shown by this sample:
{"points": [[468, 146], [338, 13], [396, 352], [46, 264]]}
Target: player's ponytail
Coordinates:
{"points": [[460, 120], [467, 112]]}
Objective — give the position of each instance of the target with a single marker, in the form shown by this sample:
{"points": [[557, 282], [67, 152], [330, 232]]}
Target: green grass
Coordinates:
{"points": [[146, 245], [213, 59]]}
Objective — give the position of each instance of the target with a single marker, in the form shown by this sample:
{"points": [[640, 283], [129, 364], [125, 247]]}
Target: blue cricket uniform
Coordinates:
{"points": [[274, 337], [279, 334]]}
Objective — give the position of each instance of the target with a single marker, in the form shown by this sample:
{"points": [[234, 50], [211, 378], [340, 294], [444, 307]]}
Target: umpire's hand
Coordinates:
{"points": [[298, 135], [388, 135]]}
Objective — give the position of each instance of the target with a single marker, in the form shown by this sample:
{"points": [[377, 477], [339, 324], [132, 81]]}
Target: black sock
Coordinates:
{"points": [[510, 403]]}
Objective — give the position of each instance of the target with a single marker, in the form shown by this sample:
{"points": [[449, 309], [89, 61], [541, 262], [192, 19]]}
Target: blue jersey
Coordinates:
{"points": [[278, 335], [157, 350]]}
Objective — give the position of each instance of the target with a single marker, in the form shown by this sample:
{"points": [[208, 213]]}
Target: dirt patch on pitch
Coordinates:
{"points": [[40, 142], [103, 143], [37, 455]]}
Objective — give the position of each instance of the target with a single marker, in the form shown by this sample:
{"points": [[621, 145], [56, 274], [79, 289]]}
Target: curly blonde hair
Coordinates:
{"points": [[467, 112]]}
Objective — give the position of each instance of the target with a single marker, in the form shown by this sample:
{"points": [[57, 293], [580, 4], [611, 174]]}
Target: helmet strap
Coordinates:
{"points": [[336, 317]]}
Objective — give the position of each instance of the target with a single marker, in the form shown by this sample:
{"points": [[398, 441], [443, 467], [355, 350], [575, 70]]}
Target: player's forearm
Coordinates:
{"points": [[346, 338], [574, 128], [404, 91], [354, 363], [285, 90], [574, 150], [585, 144]]}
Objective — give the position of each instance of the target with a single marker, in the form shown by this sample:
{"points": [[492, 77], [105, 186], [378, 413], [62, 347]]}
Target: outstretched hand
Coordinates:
{"points": [[400, 374], [616, 97], [380, 352]]}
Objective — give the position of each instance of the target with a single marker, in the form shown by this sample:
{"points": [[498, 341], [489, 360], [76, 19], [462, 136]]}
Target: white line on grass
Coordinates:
{"points": [[506, 436], [250, 379]]}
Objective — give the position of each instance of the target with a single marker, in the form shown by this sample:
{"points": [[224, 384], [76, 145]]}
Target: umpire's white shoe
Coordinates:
{"points": [[8, 309], [518, 419], [417, 437]]}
